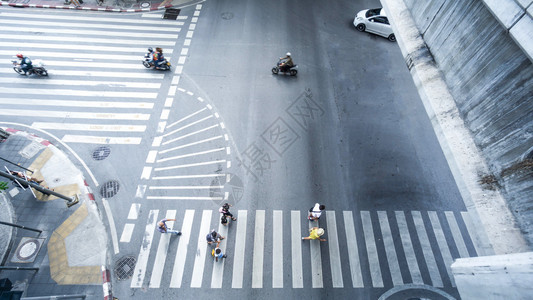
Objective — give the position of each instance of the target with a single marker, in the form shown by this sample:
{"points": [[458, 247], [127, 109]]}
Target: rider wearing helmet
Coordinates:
{"points": [[150, 55], [287, 63], [25, 63]]}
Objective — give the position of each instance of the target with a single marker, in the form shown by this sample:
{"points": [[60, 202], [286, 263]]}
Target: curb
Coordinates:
{"points": [[110, 9], [89, 192], [106, 284]]}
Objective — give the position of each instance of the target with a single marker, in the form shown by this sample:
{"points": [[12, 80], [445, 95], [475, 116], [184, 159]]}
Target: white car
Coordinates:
{"points": [[374, 21]]}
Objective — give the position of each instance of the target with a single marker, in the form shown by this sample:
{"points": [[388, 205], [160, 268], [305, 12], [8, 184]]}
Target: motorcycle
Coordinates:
{"points": [[292, 70], [148, 63], [37, 68]]}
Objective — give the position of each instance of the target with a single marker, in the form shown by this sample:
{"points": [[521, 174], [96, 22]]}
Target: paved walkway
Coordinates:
{"points": [[71, 249], [102, 5]]}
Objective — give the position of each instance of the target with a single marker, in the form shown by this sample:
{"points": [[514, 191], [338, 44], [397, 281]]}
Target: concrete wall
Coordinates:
{"points": [[489, 72], [495, 277]]}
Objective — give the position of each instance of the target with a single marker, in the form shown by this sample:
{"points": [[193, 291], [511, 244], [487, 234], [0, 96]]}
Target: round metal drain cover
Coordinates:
{"points": [[101, 153], [109, 189], [28, 249], [124, 267]]}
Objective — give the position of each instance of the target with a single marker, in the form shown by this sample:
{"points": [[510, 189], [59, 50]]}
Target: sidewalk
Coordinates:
{"points": [[104, 5], [71, 249]]}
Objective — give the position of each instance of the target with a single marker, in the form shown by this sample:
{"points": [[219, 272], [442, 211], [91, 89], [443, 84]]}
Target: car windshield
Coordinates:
{"points": [[373, 12]]}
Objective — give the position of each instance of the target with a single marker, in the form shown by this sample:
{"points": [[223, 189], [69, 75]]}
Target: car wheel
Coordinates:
{"points": [[361, 27], [392, 38]]}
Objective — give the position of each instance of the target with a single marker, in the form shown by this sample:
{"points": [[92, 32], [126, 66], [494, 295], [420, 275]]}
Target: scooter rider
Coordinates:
{"points": [[158, 57], [25, 63], [150, 55], [287, 63]]}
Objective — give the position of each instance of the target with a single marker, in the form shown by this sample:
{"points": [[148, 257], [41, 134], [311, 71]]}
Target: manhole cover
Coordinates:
{"points": [[124, 267], [27, 250], [109, 189], [101, 153], [226, 15]]}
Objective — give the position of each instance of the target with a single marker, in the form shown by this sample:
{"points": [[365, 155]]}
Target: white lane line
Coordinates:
{"points": [[187, 126], [201, 250], [99, 33], [472, 233], [79, 93], [75, 39], [277, 249], [77, 47], [139, 193], [142, 260], [81, 26], [73, 114], [316, 260], [443, 245], [431, 263], [87, 139], [82, 56], [161, 254], [183, 198], [114, 84], [258, 254], [77, 103], [456, 233], [186, 117], [218, 267], [126, 233], [238, 256], [353, 250], [334, 250], [89, 127], [150, 159], [188, 176], [408, 249], [181, 253], [390, 250], [186, 187], [146, 173], [190, 154], [112, 227], [134, 211], [78, 17], [190, 144], [296, 250], [190, 134], [190, 165], [371, 249]]}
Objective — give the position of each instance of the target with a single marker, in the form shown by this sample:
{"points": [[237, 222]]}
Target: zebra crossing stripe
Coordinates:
{"points": [[412, 264], [141, 85], [63, 46], [127, 232], [78, 17], [75, 39], [443, 245], [426, 249], [218, 266], [390, 251], [238, 256], [353, 251], [371, 249], [142, 260], [473, 236], [277, 249], [259, 244], [24, 28], [201, 250], [296, 250], [456, 234], [161, 254], [80, 93], [179, 262], [90, 127], [334, 252], [78, 103], [316, 259], [81, 26]]}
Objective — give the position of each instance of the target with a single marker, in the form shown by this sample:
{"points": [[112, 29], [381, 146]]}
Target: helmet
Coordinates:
{"points": [[288, 54], [20, 55], [150, 49]]}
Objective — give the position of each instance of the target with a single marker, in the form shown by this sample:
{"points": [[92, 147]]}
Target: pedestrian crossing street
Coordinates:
{"points": [[97, 90], [366, 249]]}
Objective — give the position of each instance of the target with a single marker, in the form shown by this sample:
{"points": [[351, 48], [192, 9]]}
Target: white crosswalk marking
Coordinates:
{"points": [[411, 228], [390, 251], [238, 257], [472, 232], [353, 250], [142, 259], [456, 233]]}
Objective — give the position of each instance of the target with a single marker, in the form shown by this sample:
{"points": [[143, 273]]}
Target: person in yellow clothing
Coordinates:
{"points": [[314, 234]]}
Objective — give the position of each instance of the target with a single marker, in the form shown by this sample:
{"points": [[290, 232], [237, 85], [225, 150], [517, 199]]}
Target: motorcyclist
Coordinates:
{"points": [[158, 57], [150, 55], [286, 63], [25, 63]]}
